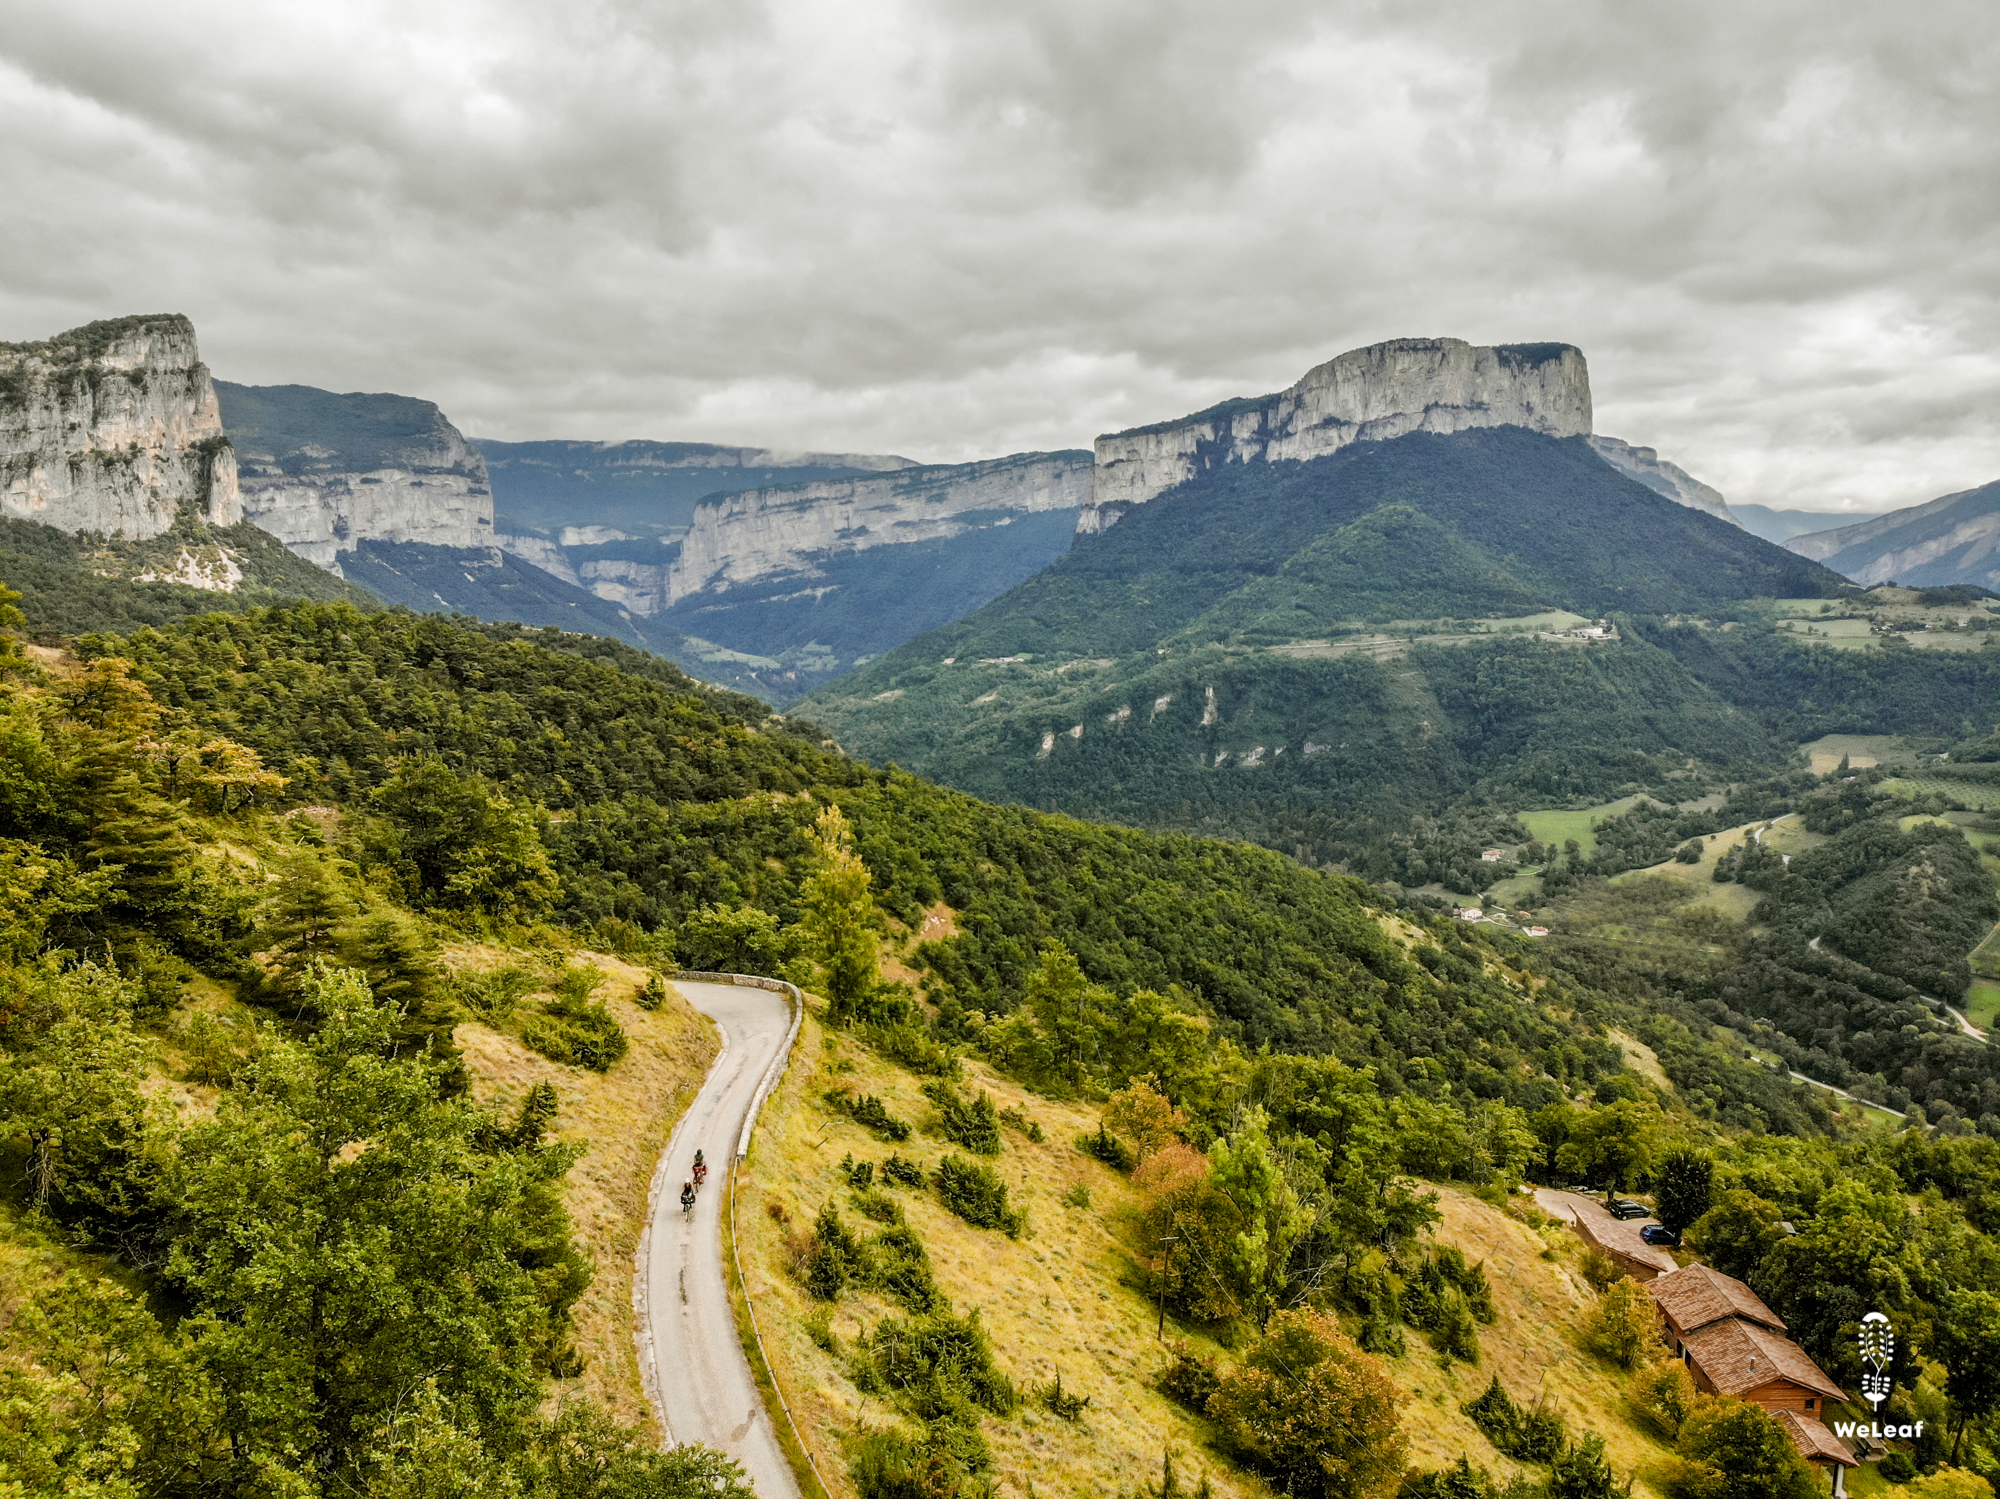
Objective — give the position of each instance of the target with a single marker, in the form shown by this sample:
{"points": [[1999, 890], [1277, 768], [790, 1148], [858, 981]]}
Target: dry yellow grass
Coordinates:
{"points": [[1534, 1349], [1054, 1298], [1060, 1297], [622, 1118]]}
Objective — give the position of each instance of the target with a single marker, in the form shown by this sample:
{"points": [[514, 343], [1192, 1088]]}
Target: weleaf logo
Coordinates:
{"points": [[1878, 1351]]}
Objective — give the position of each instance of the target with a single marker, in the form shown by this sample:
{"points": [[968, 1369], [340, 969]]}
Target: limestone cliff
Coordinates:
{"points": [[1662, 477], [1372, 394], [324, 472], [113, 427], [764, 533]]}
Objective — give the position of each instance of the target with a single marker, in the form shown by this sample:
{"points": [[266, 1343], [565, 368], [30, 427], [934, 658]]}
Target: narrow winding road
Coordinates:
{"points": [[696, 1374]]}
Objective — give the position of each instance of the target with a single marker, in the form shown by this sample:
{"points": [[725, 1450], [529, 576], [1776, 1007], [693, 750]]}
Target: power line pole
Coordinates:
{"points": [[1167, 1241]]}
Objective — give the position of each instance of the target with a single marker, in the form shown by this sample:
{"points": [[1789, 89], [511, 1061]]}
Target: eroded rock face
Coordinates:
{"points": [[114, 427], [324, 472], [1662, 477], [764, 533], [1383, 391]]}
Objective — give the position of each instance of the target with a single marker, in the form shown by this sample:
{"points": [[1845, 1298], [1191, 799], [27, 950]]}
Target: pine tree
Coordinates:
{"points": [[838, 918]]}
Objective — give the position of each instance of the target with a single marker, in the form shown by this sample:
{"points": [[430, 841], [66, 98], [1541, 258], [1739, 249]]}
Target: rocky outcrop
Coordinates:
{"points": [[1662, 477], [113, 427], [1955, 539], [764, 533], [324, 472], [1383, 391]]}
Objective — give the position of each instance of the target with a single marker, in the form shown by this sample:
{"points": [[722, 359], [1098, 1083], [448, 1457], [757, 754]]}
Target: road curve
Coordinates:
{"points": [[696, 1375]]}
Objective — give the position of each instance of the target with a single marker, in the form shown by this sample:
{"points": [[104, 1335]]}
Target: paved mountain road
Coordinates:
{"points": [[696, 1374]]}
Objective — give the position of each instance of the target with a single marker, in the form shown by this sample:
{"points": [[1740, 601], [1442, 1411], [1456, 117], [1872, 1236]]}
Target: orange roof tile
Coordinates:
{"points": [[1695, 1296], [1739, 1356]]}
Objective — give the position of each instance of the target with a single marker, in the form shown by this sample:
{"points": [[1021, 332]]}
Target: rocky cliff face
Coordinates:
{"points": [[114, 427], [1662, 477], [763, 533], [325, 472], [1372, 394]]}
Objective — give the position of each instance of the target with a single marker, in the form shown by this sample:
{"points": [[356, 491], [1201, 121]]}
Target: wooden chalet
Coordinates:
{"points": [[1733, 1344]]}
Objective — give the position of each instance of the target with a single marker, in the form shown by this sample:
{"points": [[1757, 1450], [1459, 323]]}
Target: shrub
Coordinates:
{"points": [[916, 1049], [819, 1327], [834, 1258], [1526, 1435], [890, 1465], [903, 1270], [974, 1124], [857, 1174], [1189, 1378], [1078, 1196], [901, 1173], [496, 994], [574, 1030], [1460, 1481], [1060, 1402], [1017, 1119], [1107, 1147], [1312, 1410], [870, 1113], [1583, 1472], [943, 1364], [652, 994], [1624, 1326], [1599, 1269], [977, 1195], [878, 1205]]}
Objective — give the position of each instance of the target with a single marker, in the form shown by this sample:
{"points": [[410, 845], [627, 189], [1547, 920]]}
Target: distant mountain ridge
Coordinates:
{"points": [[1953, 539]]}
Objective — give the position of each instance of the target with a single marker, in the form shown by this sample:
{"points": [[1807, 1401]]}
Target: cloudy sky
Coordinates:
{"points": [[953, 228]]}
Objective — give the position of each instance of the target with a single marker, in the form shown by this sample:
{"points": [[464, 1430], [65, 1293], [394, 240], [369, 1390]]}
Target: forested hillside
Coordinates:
{"points": [[1369, 660], [217, 807]]}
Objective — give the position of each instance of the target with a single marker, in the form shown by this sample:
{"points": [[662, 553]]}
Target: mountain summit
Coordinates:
{"points": [[1384, 391]]}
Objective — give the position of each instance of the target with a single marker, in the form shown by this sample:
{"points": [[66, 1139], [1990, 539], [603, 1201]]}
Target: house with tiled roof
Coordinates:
{"points": [[1733, 1344], [1696, 1297]]}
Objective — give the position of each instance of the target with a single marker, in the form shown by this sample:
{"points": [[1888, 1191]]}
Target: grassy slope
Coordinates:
{"points": [[622, 1118], [1063, 1297]]}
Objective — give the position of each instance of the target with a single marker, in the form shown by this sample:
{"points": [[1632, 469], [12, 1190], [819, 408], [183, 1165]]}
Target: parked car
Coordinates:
{"points": [[1622, 1209], [1661, 1236]]}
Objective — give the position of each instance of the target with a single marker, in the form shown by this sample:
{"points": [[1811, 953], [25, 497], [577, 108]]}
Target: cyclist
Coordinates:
{"points": [[687, 1197]]}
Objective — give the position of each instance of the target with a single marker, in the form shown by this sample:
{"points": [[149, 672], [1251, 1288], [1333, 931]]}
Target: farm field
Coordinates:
{"points": [[1554, 826]]}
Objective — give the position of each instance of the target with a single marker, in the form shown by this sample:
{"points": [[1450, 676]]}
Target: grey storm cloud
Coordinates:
{"points": [[952, 229]]}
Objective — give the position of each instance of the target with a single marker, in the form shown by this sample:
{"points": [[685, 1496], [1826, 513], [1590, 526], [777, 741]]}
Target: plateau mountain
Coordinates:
{"points": [[1435, 604]]}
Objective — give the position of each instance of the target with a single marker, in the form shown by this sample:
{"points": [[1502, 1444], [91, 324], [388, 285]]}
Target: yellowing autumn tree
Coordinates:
{"points": [[1311, 1409]]}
